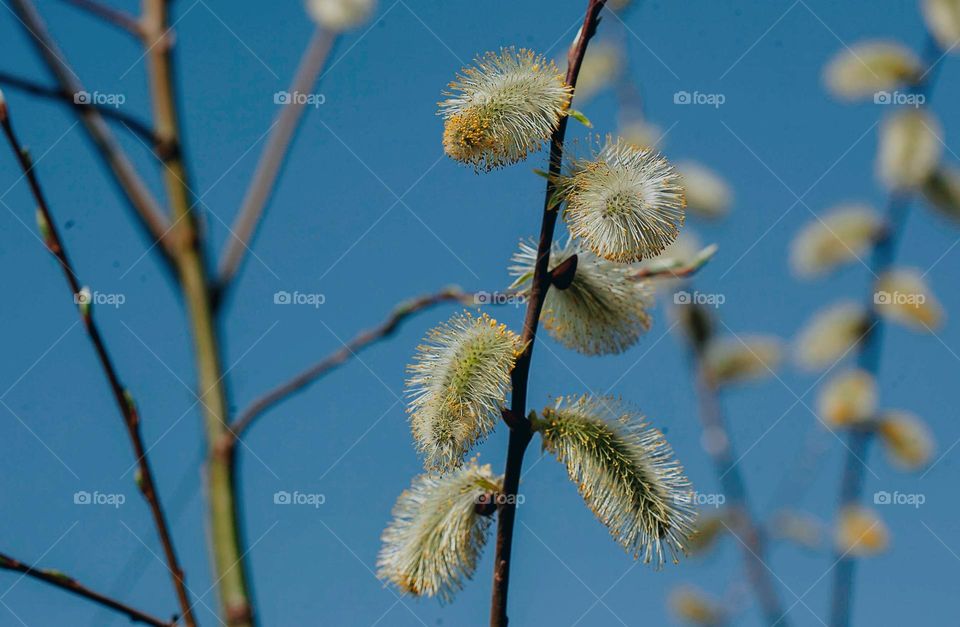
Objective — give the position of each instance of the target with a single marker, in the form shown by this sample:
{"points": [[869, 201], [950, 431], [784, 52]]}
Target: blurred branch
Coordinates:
{"points": [[868, 358], [138, 195], [272, 159], [121, 395], [112, 16], [364, 339], [53, 93], [520, 431], [230, 569], [65, 582], [719, 446]]}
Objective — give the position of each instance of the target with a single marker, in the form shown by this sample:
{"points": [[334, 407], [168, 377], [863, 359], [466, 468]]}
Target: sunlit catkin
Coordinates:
{"points": [[626, 473], [436, 536], [458, 382], [625, 203], [503, 108], [603, 311]]}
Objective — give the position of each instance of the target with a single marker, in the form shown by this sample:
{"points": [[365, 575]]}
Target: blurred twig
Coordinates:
{"points": [[868, 358], [720, 448], [65, 582], [121, 395], [271, 162], [56, 94], [136, 192], [117, 18]]}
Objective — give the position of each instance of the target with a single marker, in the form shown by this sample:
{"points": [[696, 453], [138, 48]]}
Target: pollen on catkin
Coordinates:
{"points": [[626, 203], [603, 311], [503, 108], [459, 379], [830, 334], [436, 536], [626, 473]]}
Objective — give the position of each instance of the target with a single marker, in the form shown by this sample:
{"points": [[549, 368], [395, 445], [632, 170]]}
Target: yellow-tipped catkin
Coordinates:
{"points": [[860, 532], [436, 536], [503, 108], [829, 335], [626, 473], [458, 383], [902, 295], [866, 68], [842, 235], [848, 398], [907, 439]]}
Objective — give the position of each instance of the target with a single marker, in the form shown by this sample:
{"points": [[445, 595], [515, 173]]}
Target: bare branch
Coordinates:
{"points": [[136, 192], [120, 19], [121, 395], [339, 357], [53, 93], [520, 433], [272, 159], [65, 582]]}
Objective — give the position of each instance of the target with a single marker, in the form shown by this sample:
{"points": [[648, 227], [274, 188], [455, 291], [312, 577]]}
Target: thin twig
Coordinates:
{"points": [[273, 157], [136, 192], [520, 431], [53, 93], [121, 395], [68, 583], [120, 19], [746, 529], [230, 567], [349, 350], [868, 358]]}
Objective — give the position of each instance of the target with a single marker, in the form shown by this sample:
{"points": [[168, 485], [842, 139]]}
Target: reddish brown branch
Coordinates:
{"points": [[520, 432], [339, 357], [69, 584], [122, 397]]}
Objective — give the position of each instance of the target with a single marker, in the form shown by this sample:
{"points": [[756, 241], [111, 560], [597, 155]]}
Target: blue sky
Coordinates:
{"points": [[369, 213]]}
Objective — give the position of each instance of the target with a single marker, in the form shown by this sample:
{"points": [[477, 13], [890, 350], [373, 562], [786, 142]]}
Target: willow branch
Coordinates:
{"points": [[121, 395], [349, 350], [230, 568], [138, 195], [520, 431], [745, 527], [112, 16], [53, 93], [273, 158], [69, 584], [868, 358]]}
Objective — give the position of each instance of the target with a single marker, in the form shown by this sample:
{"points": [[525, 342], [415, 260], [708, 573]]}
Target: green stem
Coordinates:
{"points": [[229, 570]]}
